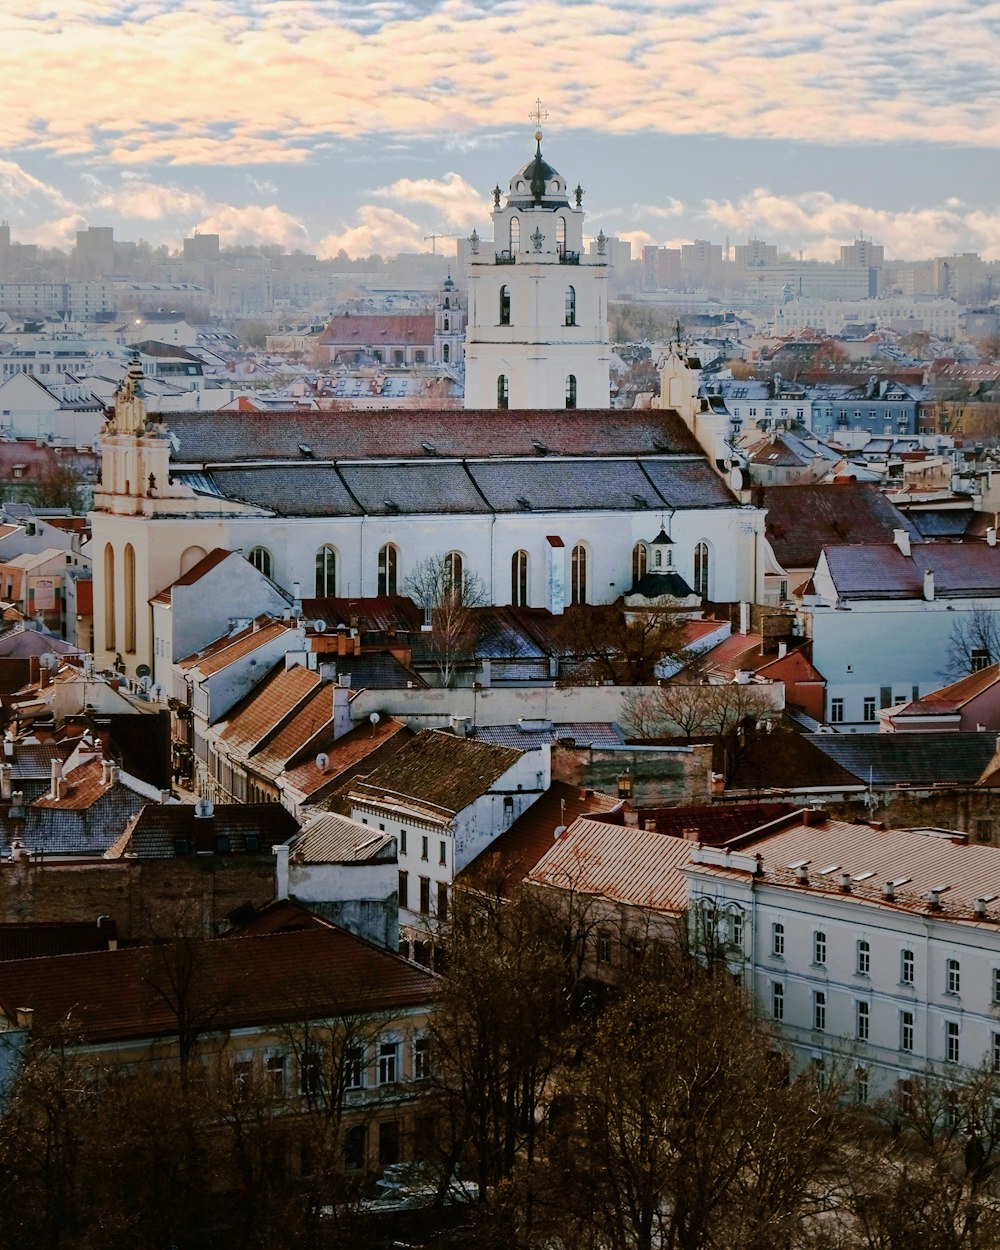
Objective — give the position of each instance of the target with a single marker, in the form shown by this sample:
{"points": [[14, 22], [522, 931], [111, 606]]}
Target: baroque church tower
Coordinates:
{"points": [[538, 306], [449, 325]]}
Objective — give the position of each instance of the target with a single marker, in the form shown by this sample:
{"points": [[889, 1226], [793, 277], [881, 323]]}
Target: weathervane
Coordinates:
{"points": [[538, 114]]}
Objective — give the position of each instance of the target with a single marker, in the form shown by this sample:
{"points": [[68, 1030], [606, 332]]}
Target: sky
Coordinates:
{"points": [[329, 124]]}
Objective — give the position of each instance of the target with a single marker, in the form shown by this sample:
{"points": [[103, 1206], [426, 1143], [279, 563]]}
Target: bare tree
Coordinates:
{"points": [[447, 596], [690, 711], [684, 1130], [974, 642]]}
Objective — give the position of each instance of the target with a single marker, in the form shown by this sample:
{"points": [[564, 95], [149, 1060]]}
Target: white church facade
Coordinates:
{"points": [[538, 303]]}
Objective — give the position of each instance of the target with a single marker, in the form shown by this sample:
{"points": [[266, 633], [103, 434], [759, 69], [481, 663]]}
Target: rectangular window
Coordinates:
{"points": [[736, 929], [862, 1021], [861, 1085], [952, 977], [869, 708], [443, 854], [984, 830], [242, 1077], [819, 1010], [354, 1067], [819, 947], [904, 1095], [885, 696], [425, 895], [906, 1032], [864, 961], [310, 1072], [442, 912], [402, 841], [778, 940], [388, 1062], [404, 889], [996, 985], [603, 947], [423, 847], [356, 1148], [836, 711], [275, 1067], [819, 1071], [979, 658], [421, 1058], [778, 1000], [996, 1052], [951, 1049], [906, 967]]}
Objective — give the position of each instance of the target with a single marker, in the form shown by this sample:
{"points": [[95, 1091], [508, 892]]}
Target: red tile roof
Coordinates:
{"points": [[195, 573], [224, 651], [265, 709], [358, 752], [111, 996]]}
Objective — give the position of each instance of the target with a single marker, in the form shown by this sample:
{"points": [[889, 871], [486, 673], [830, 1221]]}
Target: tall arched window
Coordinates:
{"points": [[388, 570], [503, 391], [640, 559], [260, 558], [129, 570], [515, 234], [447, 302], [109, 597], [570, 305], [701, 570], [561, 235], [578, 574], [446, 353], [454, 568], [519, 579], [505, 305], [326, 572], [447, 323], [571, 391]]}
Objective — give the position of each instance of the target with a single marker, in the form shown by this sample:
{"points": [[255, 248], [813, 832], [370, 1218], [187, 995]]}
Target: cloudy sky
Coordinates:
{"points": [[322, 124]]}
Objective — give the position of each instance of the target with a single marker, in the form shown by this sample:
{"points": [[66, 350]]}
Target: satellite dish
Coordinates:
{"points": [[322, 761], [145, 681], [155, 692], [319, 626], [204, 808], [143, 670], [374, 718], [49, 660]]}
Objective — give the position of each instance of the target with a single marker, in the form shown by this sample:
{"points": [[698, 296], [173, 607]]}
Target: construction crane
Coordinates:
{"points": [[437, 234]]}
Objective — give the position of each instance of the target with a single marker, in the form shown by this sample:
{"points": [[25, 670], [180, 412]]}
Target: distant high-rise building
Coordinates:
{"points": [[862, 254], [661, 268], [202, 247], [755, 254], [94, 254]]}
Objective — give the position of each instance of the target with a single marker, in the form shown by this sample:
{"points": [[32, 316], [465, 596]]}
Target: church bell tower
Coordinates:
{"points": [[538, 305]]}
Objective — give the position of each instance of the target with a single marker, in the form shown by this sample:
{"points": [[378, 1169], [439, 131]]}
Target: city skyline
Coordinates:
{"points": [[369, 127]]}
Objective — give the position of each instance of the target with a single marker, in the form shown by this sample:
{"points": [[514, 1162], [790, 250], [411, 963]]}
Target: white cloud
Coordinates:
{"points": [[254, 223], [455, 201], [819, 223], [380, 230], [891, 71], [149, 201]]}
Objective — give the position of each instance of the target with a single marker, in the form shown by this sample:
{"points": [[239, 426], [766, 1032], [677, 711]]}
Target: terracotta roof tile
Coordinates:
{"points": [[224, 651], [358, 752], [268, 705]]}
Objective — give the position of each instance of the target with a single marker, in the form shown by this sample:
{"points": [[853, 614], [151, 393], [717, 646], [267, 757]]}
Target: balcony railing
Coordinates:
{"points": [[505, 258]]}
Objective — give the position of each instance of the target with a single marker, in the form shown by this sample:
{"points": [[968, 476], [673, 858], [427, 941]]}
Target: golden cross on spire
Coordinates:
{"points": [[538, 114]]}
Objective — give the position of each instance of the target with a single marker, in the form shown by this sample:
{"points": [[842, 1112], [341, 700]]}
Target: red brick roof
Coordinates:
{"points": [[239, 982], [376, 329], [268, 706]]}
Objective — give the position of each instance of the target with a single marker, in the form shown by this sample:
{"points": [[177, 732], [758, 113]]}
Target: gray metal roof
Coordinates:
{"points": [[910, 758]]}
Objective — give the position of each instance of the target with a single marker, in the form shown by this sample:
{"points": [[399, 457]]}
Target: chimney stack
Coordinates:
{"points": [[902, 540]]}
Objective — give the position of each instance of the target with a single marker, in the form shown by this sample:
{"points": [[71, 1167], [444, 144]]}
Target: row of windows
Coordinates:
{"points": [[862, 1025], [569, 306], [863, 961], [388, 573], [358, 1065], [424, 907]]}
